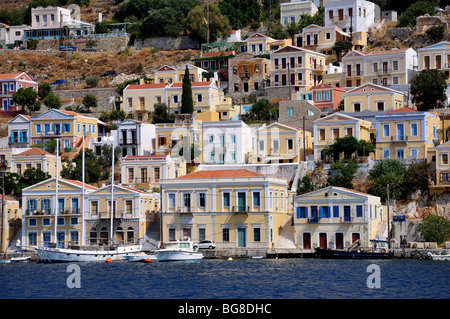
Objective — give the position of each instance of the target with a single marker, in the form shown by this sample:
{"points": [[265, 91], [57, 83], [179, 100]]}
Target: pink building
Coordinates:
{"points": [[327, 97], [10, 83]]}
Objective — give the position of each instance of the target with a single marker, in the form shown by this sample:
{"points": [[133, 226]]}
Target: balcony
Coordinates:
{"points": [[127, 141], [185, 210], [240, 209], [349, 74], [346, 219], [313, 220], [17, 140]]}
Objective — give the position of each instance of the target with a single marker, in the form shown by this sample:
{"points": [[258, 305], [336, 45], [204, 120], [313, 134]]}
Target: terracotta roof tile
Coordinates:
{"points": [[403, 110], [146, 86], [34, 151]]}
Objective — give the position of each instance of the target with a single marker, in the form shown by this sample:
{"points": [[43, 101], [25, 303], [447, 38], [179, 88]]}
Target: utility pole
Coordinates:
{"points": [[304, 142], [389, 219]]}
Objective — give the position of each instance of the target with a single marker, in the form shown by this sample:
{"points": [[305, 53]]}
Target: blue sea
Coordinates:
{"points": [[259, 279]]}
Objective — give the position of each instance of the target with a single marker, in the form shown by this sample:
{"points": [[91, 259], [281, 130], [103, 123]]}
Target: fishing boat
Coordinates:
{"points": [[355, 252], [442, 257], [180, 250], [141, 257]]}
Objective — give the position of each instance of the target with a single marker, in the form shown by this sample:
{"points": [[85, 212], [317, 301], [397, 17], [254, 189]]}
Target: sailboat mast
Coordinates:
{"points": [[56, 192], [82, 198], [112, 194]]}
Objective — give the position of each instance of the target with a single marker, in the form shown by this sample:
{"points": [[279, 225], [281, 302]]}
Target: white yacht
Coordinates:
{"points": [[178, 251]]}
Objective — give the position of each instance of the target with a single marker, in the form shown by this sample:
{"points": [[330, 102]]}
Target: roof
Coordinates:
{"points": [[403, 110], [8, 76], [216, 54], [231, 173], [78, 183], [388, 51], [34, 151], [146, 86], [193, 84]]}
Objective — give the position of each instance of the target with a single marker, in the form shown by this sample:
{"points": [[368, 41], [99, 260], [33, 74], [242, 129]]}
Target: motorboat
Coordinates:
{"points": [[86, 253], [180, 250], [141, 257], [442, 257]]}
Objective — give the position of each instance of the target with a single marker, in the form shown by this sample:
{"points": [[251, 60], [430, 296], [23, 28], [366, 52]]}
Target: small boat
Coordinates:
{"points": [[141, 257], [23, 259], [442, 257], [356, 254], [180, 250], [86, 253]]}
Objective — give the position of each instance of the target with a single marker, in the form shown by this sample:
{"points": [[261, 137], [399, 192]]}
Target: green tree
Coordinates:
{"points": [[73, 169], [386, 172], [26, 98], [52, 101], [342, 173], [44, 90], [187, 103], [304, 185], [341, 48], [428, 89], [408, 18], [197, 26], [317, 19], [161, 114], [90, 101], [436, 33], [435, 229], [262, 110], [240, 13]]}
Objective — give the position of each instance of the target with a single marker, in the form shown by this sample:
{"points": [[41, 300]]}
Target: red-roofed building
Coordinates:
{"points": [[214, 61], [10, 83], [35, 158], [236, 208]]}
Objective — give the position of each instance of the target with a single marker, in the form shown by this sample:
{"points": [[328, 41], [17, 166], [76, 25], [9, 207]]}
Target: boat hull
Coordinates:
{"points": [[75, 255], [140, 258], [171, 255], [337, 254]]}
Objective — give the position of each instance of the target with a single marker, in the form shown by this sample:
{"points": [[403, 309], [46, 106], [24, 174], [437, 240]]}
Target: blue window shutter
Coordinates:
{"points": [[298, 212], [320, 211], [358, 211], [306, 212], [336, 211]]}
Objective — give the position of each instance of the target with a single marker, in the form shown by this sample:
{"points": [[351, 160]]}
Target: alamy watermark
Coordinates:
{"points": [[374, 279], [74, 279]]}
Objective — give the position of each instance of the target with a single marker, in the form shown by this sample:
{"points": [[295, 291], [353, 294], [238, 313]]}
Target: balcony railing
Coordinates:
{"points": [[346, 219], [240, 209], [313, 220], [49, 212], [13, 140]]}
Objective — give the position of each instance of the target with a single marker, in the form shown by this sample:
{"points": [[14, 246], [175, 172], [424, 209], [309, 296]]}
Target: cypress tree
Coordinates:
{"points": [[187, 103]]}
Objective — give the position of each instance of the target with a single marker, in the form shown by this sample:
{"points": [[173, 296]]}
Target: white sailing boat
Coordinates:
{"points": [[85, 253]]}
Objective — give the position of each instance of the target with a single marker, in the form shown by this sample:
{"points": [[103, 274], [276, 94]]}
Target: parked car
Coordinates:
{"points": [[67, 48], [205, 244], [110, 72], [89, 49]]}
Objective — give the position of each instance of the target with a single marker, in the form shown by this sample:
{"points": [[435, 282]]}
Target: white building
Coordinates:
{"points": [[227, 142], [350, 15], [291, 12], [19, 131], [136, 138]]}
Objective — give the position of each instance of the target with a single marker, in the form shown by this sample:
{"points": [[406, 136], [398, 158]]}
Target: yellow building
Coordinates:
{"points": [[441, 181], [10, 225], [141, 98], [67, 126], [145, 172], [320, 39], [435, 57], [132, 213], [291, 12], [39, 206], [168, 74], [405, 134], [371, 97], [391, 67], [5, 158], [35, 158], [234, 208], [297, 68], [282, 143], [335, 217], [334, 126]]}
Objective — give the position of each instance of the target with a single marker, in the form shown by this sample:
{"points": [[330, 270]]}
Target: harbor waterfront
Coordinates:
{"points": [[246, 278]]}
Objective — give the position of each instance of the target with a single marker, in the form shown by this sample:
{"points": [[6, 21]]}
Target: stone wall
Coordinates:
{"points": [[109, 44], [302, 109], [168, 43]]}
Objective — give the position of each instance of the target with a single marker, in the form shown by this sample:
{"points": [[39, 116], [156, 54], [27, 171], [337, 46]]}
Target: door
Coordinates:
{"points": [[355, 237], [61, 238], [306, 241], [241, 237], [46, 238], [323, 240], [339, 240]]}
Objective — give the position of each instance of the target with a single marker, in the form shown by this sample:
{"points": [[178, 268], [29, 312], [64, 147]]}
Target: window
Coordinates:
{"points": [[256, 234], [336, 211], [226, 199], [444, 158], [380, 106], [395, 65], [385, 130], [225, 234], [413, 129], [256, 199], [38, 128], [241, 202], [290, 111], [357, 107], [186, 200], [322, 134], [175, 99], [414, 152], [202, 200], [326, 96], [171, 200], [386, 153], [318, 96], [359, 211], [302, 212], [199, 98], [324, 211], [400, 132]]}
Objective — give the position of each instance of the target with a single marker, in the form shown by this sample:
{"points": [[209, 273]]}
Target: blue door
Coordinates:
{"points": [[61, 239], [347, 217], [46, 238], [241, 237]]}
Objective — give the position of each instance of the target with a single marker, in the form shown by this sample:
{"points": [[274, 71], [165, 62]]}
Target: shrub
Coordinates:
{"points": [[92, 81]]}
